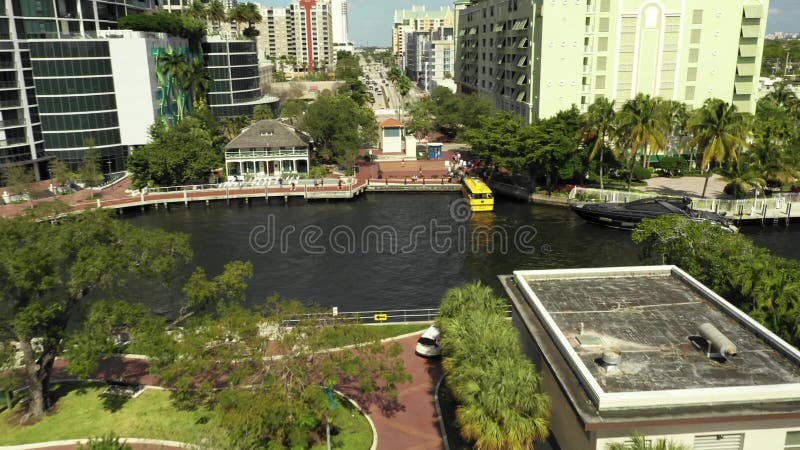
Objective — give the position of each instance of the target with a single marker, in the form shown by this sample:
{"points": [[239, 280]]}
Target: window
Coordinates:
{"points": [[694, 55], [689, 93], [695, 37], [601, 62], [600, 83], [792, 440], [697, 17], [691, 74], [605, 5], [603, 27], [602, 44]]}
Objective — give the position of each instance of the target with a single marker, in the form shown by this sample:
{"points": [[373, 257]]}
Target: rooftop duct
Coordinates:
{"points": [[716, 340]]}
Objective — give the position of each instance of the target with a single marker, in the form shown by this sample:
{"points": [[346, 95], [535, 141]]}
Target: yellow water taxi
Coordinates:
{"points": [[478, 194]]}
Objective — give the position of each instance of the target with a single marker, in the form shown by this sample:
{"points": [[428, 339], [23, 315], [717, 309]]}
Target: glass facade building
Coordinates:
{"points": [[77, 101], [234, 67], [21, 140], [56, 88]]}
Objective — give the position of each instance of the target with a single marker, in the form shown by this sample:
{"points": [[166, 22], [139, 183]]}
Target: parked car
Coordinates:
{"points": [[428, 343]]}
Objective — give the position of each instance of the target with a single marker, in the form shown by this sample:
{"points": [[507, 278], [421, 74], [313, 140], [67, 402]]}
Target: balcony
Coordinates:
{"points": [[12, 123], [9, 84], [10, 104], [13, 142], [7, 65]]}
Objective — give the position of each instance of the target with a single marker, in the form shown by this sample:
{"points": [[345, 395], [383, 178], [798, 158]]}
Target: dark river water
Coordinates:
{"points": [[393, 251]]}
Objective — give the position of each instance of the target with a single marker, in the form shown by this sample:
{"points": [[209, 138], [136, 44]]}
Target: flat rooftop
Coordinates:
{"points": [[648, 315]]}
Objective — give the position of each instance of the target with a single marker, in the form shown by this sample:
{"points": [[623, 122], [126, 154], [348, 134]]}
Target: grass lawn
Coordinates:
{"points": [[83, 413]]}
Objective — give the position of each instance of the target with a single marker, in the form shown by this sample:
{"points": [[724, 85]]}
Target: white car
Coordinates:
{"points": [[428, 343]]}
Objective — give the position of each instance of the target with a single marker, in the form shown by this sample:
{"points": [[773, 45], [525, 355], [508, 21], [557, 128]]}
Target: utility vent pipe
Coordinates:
{"points": [[717, 340]]}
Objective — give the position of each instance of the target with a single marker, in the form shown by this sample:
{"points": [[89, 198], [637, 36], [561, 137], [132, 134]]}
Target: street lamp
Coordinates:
{"points": [[109, 165]]}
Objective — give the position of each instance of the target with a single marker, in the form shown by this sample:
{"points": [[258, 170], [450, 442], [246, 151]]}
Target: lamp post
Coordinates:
{"points": [[109, 165]]}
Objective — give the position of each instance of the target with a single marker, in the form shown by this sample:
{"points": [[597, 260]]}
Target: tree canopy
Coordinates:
{"points": [[340, 127], [183, 154], [184, 26], [501, 404], [47, 271]]}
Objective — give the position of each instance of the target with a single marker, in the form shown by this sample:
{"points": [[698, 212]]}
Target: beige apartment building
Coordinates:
{"points": [[537, 57], [273, 37], [417, 19]]}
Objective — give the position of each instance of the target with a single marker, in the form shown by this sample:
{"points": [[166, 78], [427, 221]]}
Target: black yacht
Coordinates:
{"points": [[628, 215]]}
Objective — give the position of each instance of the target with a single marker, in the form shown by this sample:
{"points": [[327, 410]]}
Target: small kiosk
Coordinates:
{"points": [[392, 136], [435, 150]]}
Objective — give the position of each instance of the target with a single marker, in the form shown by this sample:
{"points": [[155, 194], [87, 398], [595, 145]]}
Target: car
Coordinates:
{"points": [[428, 344]]}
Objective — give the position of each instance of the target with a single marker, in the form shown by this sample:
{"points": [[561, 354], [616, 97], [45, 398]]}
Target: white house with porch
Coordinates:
{"points": [[268, 148]]}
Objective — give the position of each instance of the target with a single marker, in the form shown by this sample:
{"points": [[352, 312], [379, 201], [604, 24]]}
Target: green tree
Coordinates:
{"points": [[216, 13], [198, 81], [640, 442], [641, 126], [175, 68], [61, 173], [261, 112], [293, 109], [775, 133], [719, 131], [500, 400], [598, 127], [48, 270], [183, 154], [19, 179], [90, 171], [274, 400], [230, 127], [245, 13], [498, 142], [197, 9], [340, 127], [554, 148], [420, 119]]}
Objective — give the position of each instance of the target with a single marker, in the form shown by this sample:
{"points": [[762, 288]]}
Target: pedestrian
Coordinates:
{"points": [[292, 185], [316, 183], [340, 183], [280, 181]]}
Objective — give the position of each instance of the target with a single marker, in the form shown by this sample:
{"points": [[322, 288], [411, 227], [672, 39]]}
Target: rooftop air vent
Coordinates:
{"points": [[717, 341], [611, 359]]}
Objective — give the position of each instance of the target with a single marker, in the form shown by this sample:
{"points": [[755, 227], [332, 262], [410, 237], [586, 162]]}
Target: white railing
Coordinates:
{"points": [[745, 207], [378, 316], [249, 154]]}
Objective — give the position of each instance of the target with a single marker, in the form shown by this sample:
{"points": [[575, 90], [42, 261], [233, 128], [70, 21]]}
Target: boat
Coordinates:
{"points": [[478, 194], [628, 215]]}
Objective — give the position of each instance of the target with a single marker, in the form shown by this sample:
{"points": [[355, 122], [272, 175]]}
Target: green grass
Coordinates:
{"points": [[84, 413]]}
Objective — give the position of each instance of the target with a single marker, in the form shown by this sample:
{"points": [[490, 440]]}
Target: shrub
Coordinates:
{"points": [[109, 442], [641, 173]]}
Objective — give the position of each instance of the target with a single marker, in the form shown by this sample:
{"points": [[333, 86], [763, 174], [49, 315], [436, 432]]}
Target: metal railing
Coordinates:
{"points": [[747, 206], [378, 316]]}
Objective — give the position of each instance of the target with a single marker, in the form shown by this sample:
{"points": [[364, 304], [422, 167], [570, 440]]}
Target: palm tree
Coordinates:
{"points": [[198, 10], [783, 95], [245, 12], [719, 132], [642, 124], [216, 13], [742, 177], [599, 125], [199, 80], [639, 442], [175, 69]]}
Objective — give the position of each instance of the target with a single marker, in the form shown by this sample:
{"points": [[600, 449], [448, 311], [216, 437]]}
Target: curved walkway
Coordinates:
{"points": [[409, 423]]}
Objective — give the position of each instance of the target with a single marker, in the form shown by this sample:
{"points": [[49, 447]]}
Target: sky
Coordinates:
{"points": [[370, 21]]}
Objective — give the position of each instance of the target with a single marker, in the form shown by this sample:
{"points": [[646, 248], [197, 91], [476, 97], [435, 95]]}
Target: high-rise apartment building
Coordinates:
{"points": [[274, 32], [428, 57], [311, 41], [537, 57], [417, 19], [339, 26], [42, 93]]}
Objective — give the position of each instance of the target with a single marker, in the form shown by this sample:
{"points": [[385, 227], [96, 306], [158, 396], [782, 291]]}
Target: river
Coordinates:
{"points": [[342, 253]]}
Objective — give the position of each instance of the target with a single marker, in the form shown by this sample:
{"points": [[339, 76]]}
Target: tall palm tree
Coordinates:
{"points": [[599, 125], [678, 118], [175, 69], [216, 13], [245, 13], [719, 132], [742, 177], [197, 9], [639, 442], [199, 80], [783, 95], [642, 124]]}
